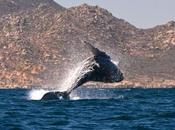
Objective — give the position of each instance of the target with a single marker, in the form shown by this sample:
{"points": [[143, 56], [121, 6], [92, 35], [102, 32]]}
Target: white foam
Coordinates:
{"points": [[71, 80], [77, 74], [36, 94], [75, 98]]}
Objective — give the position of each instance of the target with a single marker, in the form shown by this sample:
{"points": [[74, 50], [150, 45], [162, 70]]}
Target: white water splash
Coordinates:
{"points": [[73, 79], [74, 97], [70, 82], [37, 94], [71, 76], [76, 74]]}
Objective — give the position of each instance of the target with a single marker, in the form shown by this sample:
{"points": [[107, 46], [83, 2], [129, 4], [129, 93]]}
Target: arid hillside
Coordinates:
{"points": [[41, 41]]}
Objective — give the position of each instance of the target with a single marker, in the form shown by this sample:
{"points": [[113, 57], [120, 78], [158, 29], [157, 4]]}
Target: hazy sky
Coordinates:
{"points": [[141, 13]]}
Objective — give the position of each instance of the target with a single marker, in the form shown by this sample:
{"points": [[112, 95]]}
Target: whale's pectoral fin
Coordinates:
{"points": [[96, 52]]}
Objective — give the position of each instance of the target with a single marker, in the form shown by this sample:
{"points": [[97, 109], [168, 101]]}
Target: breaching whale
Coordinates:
{"points": [[98, 67]]}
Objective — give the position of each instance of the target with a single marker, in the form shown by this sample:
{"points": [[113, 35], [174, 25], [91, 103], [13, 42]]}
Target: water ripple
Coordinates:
{"points": [[102, 109]]}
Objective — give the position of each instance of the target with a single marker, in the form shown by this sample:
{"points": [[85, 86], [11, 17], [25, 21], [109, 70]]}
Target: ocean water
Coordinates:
{"points": [[90, 109]]}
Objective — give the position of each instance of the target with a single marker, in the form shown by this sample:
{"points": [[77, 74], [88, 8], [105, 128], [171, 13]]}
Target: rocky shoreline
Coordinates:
{"points": [[124, 84]]}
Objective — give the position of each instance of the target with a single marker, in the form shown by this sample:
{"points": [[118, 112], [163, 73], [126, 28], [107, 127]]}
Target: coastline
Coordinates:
{"points": [[93, 85]]}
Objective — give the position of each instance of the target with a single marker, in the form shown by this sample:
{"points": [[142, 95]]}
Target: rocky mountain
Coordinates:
{"points": [[41, 41]]}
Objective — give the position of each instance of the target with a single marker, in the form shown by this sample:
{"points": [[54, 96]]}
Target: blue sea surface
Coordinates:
{"points": [[96, 109]]}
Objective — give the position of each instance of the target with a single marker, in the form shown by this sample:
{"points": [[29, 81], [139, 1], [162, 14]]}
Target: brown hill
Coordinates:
{"points": [[41, 40]]}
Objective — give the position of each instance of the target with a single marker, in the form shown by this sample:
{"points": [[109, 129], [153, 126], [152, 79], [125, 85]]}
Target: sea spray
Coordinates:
{"points": [[70, 77], [75, 75], [71, 80], [36, 94]]}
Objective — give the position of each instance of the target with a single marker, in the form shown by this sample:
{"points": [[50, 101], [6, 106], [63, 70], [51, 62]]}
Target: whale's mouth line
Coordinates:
{"points": [[99, 68]]}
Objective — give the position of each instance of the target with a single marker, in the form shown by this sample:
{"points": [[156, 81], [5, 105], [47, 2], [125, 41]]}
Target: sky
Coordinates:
{"points": [[140, 13]]}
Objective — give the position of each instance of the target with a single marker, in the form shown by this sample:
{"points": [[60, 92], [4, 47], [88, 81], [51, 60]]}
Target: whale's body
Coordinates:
{"points": [[99, 68]]}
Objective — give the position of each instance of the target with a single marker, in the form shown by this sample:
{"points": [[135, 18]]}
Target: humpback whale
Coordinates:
{"points": [[98, 67]]}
